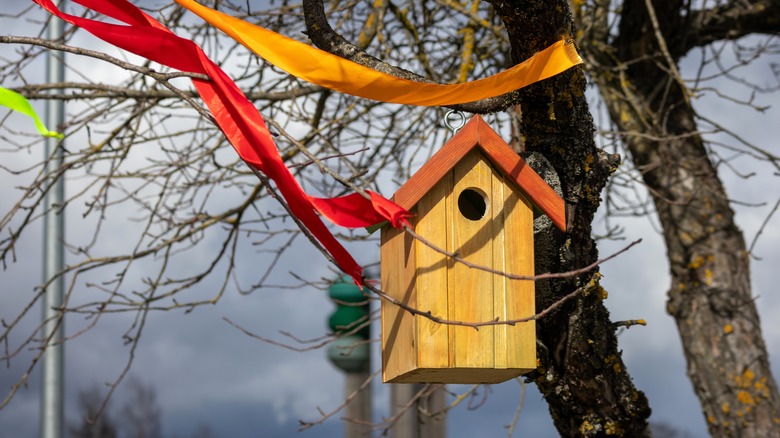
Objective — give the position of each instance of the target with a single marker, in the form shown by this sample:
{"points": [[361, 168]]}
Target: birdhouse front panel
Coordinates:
{"points": [[474, 212]]}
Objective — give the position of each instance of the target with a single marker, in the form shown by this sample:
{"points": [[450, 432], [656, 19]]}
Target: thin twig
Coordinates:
{"points": [[546, 276], [358, 326], [519, 409], [476, 325], [761, 229], [307, 424], [629, 323]]}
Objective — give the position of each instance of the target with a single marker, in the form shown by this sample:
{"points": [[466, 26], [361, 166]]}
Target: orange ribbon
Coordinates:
{"points": [[336, 73]]}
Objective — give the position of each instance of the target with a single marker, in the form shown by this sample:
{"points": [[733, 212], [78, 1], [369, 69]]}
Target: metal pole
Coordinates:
{"points": [[411, 423], [52, 367], [359, 408], [430, 426], [406, 425]]}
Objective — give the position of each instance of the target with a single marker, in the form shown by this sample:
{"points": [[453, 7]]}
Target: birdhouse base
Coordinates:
{"points": [[459, 375]]}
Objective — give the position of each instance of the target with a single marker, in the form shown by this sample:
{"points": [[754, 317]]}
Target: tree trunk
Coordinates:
{"points": [[581, 374], [710, 295]]}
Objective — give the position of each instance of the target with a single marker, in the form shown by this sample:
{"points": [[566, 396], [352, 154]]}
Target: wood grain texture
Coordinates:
{"points": [[472, 289], [432, 276], [398, 279], [501, 198], [519, 295]]}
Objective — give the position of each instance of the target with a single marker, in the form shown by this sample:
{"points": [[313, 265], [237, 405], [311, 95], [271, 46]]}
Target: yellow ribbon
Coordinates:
{"points": [[330, 71], [18, 103]]}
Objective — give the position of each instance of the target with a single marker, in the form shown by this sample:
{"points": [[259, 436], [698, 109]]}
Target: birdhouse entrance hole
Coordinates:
{"points": [[472, 204]]}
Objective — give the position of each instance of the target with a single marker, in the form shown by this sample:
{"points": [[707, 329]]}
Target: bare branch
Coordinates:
{"points": [[730, 21]]}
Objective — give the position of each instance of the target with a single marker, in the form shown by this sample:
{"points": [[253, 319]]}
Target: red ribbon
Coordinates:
{"points": [[239, 120]]}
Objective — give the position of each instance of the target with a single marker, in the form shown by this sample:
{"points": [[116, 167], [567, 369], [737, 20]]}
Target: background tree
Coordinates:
{"points": [[95, 421], [147, 152], [634, 49], [141, 415]]}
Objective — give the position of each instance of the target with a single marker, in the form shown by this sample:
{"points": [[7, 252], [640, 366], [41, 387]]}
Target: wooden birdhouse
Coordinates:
{"points": [[475, 197]]}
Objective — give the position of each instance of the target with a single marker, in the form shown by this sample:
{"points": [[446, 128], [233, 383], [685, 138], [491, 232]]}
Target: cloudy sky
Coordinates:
{"points": [[205, 372]]}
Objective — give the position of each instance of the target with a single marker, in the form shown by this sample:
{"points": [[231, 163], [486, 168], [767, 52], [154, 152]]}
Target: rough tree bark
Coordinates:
{"points": [[581, 372], [710, 294], [583, 378]]}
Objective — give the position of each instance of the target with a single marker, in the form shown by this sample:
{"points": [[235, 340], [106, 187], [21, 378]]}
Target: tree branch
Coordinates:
{"points": [[731, 21], [85, 91], [39, 91]]}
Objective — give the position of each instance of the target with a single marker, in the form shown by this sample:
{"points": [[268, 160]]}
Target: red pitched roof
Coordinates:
{"points": [[479, 134]]}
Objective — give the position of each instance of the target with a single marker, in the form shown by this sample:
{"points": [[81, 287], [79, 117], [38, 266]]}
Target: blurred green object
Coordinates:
{"points": [[351, 308], [350, 353], [18, 103], [351, 350]]}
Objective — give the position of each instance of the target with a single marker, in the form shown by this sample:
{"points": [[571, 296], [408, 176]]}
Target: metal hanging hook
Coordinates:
{"points": [[452, 126]]}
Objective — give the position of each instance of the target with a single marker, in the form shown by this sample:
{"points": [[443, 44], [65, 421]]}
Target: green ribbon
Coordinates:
{"points": [[18, 103]]}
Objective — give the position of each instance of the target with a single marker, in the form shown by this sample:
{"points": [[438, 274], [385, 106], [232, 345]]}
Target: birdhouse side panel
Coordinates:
{"points": [[471, 290], [397, 264], [516, 344], [432, 278]]}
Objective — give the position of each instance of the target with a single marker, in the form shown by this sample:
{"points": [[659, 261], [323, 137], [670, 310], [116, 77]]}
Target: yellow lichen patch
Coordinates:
{"points": [[603, 294], [641, 322], [710, 419], [728, 328], [613, 361], [681, 287], [708, 277], [761, 387], [588, 162], [586, 427], [725, 408], [696, 262], [745, 398], [613, 429], [551, 106], [776, 420], [541, 370], [746, 379]]}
